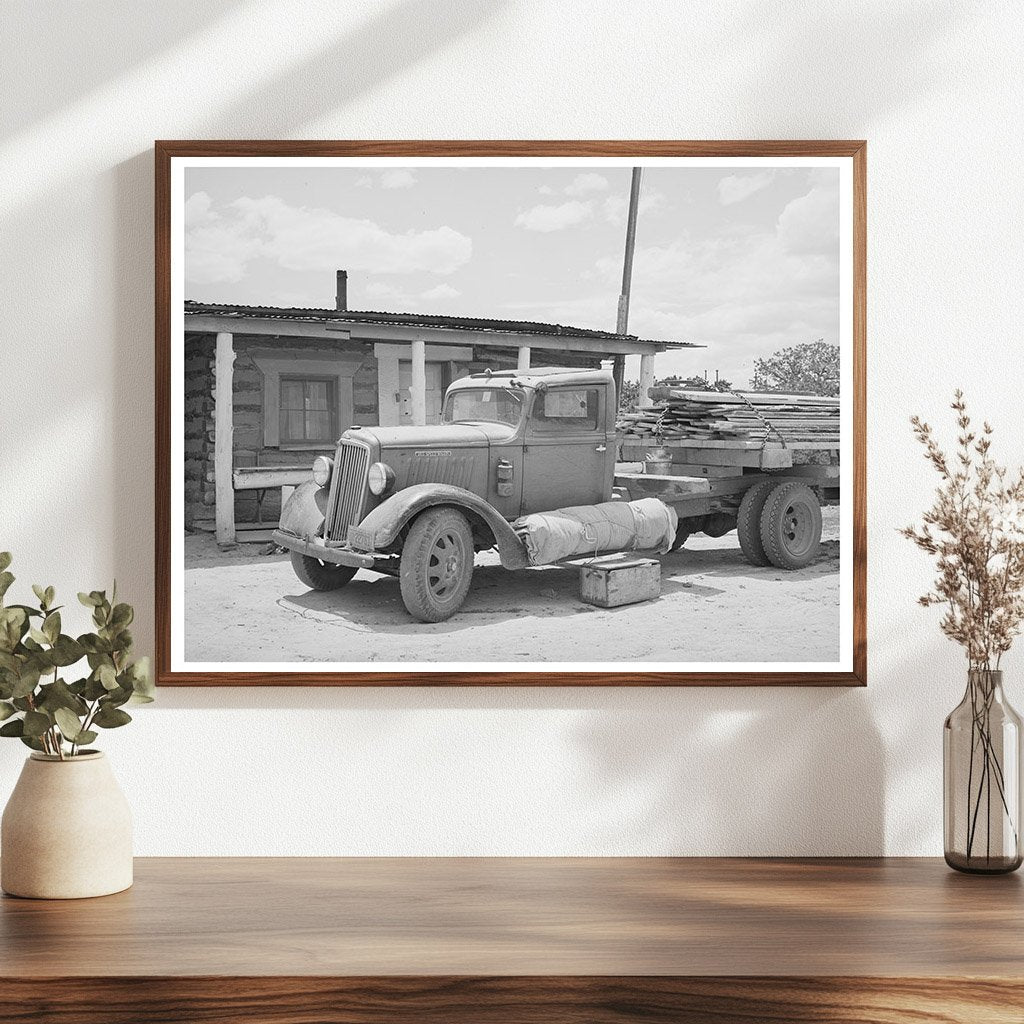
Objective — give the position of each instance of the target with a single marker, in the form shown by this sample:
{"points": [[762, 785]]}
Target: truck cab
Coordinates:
{"points": [[418, 501]]}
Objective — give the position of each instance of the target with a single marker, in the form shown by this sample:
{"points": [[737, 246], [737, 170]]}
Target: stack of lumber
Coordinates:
{"points": [[680, 414]]}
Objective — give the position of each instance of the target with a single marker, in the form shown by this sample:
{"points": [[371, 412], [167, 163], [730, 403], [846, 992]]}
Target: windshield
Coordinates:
{"points": [[487, 405]]}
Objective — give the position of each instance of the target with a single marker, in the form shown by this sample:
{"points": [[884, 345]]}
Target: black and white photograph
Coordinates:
{"points": [[514, 414]]}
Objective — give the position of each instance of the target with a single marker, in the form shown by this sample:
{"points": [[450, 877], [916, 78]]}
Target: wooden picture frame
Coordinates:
{"points": [[846, 153]]}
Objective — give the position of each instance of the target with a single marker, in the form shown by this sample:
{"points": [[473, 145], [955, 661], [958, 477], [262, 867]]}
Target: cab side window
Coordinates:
{"points": [[566, 410]]}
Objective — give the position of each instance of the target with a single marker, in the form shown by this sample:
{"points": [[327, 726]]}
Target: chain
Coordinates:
{"points": [[769, 427]]}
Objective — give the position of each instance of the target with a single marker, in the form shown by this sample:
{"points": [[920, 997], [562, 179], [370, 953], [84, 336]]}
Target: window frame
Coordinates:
{"points": [[587, 425], [286, 441]]}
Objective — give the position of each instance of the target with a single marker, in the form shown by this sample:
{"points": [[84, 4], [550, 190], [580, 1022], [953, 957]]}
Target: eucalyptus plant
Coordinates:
{"points": [[37, 703]]}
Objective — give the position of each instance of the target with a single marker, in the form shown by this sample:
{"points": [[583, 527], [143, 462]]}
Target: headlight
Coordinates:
{"points": [[381, 478], [322, 467]]}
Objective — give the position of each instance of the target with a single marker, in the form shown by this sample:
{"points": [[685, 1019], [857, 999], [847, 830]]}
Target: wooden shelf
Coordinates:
{"points": [[573, 941]]}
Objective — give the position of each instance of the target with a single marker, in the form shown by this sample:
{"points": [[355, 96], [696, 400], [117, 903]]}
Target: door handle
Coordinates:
{"points": [[601, 448]]}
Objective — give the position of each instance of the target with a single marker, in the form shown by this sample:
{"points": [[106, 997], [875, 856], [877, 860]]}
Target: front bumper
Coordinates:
{"points": [[337, 556]]}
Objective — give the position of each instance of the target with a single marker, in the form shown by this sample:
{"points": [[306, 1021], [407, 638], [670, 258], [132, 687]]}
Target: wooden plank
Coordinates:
{"points": [[663, 484], [223, 442], [541, 999], [666, 393], [768, 458], [252, 478]]}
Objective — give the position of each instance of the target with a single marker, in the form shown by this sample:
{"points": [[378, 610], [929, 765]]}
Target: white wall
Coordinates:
{"points": [[936, 88]]}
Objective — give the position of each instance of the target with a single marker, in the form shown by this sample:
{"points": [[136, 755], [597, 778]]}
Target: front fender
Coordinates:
{"points": [[303, 513], [386, 521]]}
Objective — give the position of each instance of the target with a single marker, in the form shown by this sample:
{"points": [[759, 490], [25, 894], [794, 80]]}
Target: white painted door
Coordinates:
{"points": [[435, 391]]}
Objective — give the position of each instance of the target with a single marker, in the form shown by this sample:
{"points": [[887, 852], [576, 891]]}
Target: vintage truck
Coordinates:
{"points": [[418, 502]]}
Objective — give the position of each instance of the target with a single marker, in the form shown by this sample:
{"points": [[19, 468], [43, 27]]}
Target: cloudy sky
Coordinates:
{"points": [[743, 260]]}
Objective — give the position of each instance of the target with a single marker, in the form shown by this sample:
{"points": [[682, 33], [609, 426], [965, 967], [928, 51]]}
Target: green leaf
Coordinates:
{"points": [[66, 651], [5, 560], [44, 594], [86, 736], [31, 741], [13, 626], [111, 718], [14, 728], [36, 723], [107, 676], [6, 579], [38, 635], [51, 626], [115, 698], [69, 724], [122, 616], [27, 681], [6, 710], [59, 695], [93, 644], [89, 600], [94, 689]]}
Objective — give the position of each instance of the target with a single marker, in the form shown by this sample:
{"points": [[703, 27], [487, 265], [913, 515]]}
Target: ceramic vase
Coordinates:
{"points": [[66, 831]]}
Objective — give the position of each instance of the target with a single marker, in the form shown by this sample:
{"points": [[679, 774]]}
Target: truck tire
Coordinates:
{"points": [[748, 522], [791, 526], [319, 575], [437, 564]]}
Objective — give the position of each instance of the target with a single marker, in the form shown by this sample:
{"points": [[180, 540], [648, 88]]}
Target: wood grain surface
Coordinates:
{"points": [[166, 150], [504, 940]]}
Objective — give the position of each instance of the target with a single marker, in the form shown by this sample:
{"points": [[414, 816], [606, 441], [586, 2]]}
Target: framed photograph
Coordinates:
{"points": [[493, 413]]}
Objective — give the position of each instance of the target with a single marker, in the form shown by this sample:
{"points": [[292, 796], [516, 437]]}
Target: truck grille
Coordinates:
{"points": [[348, 491]]}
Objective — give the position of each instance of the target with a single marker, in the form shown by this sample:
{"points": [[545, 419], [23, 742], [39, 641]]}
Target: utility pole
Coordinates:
{"points": [[622, 319]]}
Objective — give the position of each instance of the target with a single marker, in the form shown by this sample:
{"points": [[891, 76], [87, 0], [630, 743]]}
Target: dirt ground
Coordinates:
{"points": [[241, 605]]}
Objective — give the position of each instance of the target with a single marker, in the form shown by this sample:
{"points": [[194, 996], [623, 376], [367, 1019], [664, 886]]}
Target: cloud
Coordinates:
{"points": [[216, 249], [546, 190], [440, 291], [219, 245], [555, 218], [401, 177], [588, 182], [737, 187], [616, 206], [810, 224]]}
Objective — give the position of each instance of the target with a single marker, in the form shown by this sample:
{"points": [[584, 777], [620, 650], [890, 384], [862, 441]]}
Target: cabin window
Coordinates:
{"points": [[308, 410], [566, 408]]}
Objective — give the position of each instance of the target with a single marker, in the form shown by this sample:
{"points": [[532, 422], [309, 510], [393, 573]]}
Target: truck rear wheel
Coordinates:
{"points": [[437, 565], [791, 526], [319, 575], [748, 522]]}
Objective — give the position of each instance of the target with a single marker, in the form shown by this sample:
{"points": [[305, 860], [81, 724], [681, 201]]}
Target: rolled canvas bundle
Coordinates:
{"points": [[645, 525]]}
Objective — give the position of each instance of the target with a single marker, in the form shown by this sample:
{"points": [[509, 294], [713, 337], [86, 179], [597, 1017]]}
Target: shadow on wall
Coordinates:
{"points": [[849, 43], [394, 39], [739, 771]]}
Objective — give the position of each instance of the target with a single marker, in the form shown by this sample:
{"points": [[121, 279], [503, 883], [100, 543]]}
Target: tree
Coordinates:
{"points": [[811, 368]]}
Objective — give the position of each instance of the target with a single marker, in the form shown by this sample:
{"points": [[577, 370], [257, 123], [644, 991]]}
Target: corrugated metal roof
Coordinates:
{"points": [[465, 323]]}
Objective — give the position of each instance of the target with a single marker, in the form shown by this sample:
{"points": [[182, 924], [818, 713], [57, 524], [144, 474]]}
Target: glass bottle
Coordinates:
{"points": [[981, 773]]}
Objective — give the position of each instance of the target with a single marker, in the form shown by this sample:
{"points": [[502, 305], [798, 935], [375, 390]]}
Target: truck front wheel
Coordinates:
{"points": [[437, 565], [319, 575]]}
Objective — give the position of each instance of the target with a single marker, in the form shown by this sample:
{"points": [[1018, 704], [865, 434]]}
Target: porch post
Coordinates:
{"points": [[418, 389], [524, 358], [223, 438], [646, 377]]}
